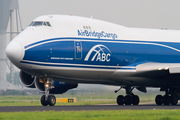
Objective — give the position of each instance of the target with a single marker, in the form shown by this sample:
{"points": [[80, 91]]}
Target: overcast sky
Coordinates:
{"points": [[130, 13]]}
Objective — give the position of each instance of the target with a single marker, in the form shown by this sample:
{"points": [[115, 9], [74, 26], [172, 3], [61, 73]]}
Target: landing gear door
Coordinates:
{"points": [[78, 50]]}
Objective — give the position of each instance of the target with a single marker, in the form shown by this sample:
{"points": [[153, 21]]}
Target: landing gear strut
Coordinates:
{"points": [[129, 99], [48, 99]]}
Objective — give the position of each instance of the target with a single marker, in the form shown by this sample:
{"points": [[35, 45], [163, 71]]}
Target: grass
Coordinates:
{"points": [[20, 97], [94, 115], [81, 115], [37, 103], [144, 97], [81, 100]]}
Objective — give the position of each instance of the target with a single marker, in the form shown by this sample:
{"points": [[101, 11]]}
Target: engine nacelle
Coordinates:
{"points": [[59, 87], [26, 79]]}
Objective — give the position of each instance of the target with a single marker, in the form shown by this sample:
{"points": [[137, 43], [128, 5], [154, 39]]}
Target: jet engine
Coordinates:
{"points": [[35, 82], [26, 79], [59, 87]]}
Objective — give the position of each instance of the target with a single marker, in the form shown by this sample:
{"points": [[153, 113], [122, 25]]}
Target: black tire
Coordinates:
{"points": [[159, 100], [51, 100], [166, 100], [135, 100], [43, 101], [174, 100], [128, 100], [120, 100]]}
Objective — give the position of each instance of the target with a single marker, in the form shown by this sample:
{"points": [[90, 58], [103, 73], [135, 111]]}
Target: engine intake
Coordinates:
{"points": [[26, 79]]}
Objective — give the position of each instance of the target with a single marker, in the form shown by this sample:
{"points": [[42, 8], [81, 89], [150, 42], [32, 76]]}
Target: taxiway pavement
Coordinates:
{"points": [[80, 108]]}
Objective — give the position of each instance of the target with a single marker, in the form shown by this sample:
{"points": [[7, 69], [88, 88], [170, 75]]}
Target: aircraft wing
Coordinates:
{"points": [[173, 68], [157, 69], [152, 70]]}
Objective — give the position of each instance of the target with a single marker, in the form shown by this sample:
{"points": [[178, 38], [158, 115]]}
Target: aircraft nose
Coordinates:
{"points": [[14, 51]]}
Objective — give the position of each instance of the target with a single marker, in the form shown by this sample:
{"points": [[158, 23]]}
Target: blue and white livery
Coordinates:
{"points": [[56, 52]]}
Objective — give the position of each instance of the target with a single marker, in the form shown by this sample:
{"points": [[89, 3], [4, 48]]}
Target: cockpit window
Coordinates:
{"points": [[44, 24], [48, 24], [37, 23], [31, 23], [40, 23]]}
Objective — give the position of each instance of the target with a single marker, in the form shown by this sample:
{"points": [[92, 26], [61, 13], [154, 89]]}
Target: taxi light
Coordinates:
{"points": [[166, 68], [46, 85], [159, 68]]}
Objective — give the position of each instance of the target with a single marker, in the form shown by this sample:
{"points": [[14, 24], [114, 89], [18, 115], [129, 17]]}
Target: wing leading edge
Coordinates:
{"points": [[157, 69]]}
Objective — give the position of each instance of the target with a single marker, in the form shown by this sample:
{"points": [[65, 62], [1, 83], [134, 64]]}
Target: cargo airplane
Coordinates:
{"points": [[56, 52]]}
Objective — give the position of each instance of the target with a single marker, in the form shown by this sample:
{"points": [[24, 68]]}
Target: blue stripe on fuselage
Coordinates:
{"points": [[80, 66], [124, 52]]}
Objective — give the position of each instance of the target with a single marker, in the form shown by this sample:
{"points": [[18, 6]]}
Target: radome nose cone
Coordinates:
{"points": [[14, 51]]}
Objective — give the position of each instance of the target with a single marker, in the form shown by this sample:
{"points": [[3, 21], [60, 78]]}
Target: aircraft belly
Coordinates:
{"points": [[102, 77], [80, 74], [73, 73]]}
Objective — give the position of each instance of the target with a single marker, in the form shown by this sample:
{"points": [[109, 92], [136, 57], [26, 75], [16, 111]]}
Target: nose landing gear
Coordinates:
{"points": [[51, 100], [48, 99]]}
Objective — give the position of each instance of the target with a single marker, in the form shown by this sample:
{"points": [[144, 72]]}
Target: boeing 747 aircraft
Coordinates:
{"points": [[56, 52]]}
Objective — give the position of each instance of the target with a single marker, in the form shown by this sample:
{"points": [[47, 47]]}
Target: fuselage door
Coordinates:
{"points": [[78, 50]]}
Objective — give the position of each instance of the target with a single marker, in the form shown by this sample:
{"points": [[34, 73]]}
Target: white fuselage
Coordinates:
{"points": [[68, 50]]}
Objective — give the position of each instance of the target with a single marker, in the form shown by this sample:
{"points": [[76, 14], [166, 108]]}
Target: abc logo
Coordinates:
{"points": [[98, 53], [103, 57]]}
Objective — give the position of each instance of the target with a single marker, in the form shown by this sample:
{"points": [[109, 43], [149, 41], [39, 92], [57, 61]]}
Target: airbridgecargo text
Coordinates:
{"points": [[97, 34]]}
